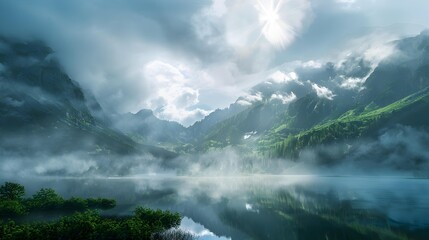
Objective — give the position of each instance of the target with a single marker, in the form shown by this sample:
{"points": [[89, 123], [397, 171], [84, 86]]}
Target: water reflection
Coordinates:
{"points": [[266, 207], [199, 230]]}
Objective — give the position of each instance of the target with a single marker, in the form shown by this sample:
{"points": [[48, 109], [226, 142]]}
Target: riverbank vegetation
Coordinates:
{"points": [[80, 218]]}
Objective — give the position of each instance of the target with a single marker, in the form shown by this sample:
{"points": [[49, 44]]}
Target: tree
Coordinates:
{"points": [[11, 208], [46, 198], [11, 191]]}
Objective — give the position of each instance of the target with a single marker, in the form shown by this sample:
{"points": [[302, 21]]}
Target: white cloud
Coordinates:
{"points": [[249, 99], [312, 64], [323, 92], [281, 77], [374, 47], [287, 98], [206, 22], [353, 83], [218, 8], [243, 102], [172, 97], [378, 51], [249, 134], [254, 97]]}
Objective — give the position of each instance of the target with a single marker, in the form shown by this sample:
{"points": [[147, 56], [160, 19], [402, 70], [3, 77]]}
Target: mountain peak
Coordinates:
{"points": [[144, 113]]}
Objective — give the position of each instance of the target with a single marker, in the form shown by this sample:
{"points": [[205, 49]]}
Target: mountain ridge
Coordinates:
{"points": [[280, 117]]}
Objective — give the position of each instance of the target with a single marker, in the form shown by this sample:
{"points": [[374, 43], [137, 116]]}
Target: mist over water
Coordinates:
{"points": [[208, 202], [219, 192]]}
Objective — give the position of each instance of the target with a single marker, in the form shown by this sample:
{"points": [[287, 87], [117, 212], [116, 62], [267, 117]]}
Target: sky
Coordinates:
{"points": [[183, 59]]}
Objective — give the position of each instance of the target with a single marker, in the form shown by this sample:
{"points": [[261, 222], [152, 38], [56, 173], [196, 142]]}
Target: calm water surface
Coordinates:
{"points": [[225, 207]]}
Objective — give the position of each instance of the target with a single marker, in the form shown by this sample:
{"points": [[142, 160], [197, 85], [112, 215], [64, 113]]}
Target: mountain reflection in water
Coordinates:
{"points": [[268, 207]]}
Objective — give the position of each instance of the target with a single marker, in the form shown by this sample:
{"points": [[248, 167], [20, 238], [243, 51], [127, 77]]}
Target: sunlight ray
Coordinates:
{"points": [[273, 27]]}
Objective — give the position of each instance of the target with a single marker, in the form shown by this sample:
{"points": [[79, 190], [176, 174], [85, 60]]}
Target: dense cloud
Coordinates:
{"points": [[224, 46]]}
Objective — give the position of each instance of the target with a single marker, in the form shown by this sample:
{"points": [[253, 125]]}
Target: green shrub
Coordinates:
{"points": [[11, 191], [75, 204], [46, 199], [11, 208]]}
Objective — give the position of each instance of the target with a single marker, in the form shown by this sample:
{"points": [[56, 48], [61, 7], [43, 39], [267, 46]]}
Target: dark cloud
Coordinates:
{"points": [[103, 44]]}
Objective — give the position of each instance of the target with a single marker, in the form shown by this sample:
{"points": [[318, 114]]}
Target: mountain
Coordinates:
{"points": [[395, 92], [360, 123], [43, 110], [313, 105], [244, 126], [334, 102], [200, 128], [146, 128]]}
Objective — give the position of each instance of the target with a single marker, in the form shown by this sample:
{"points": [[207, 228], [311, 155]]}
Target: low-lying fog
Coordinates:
{"points": [[208, 201], [399, 151], [217, 190]]}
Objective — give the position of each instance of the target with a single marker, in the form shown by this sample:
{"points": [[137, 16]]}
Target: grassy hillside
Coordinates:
{"points": [[255, 120], [359, 122]]}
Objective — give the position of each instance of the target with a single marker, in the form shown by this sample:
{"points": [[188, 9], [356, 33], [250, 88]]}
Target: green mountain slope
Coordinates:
{"points": [[243, 127], [364, 122], [350, 114]]}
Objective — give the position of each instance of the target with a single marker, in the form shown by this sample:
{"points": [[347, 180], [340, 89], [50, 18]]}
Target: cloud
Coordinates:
{"points": [[68, 164], [281, 77], [323, 92], [104, 45], [347, 4], [312, 64], [399, 148], [249, 99], [172, 96], [372, 48], [285, 99], [353, 83], [107, 56]]}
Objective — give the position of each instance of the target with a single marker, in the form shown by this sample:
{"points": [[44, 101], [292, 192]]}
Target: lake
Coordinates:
{"points": [[266, 206]]}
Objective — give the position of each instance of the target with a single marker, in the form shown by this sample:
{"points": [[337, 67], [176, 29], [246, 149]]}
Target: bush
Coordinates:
{"points": [[46, 199], [163, 219], [146, 224], [101, 203], [75, 204], [11, 191], [11, 208]]}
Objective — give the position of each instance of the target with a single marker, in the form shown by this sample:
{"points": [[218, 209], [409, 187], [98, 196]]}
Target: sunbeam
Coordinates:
{"points": [[274, 29]]}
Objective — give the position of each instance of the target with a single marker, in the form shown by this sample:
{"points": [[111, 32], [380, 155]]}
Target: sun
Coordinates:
{"points": [[274, 28]]}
